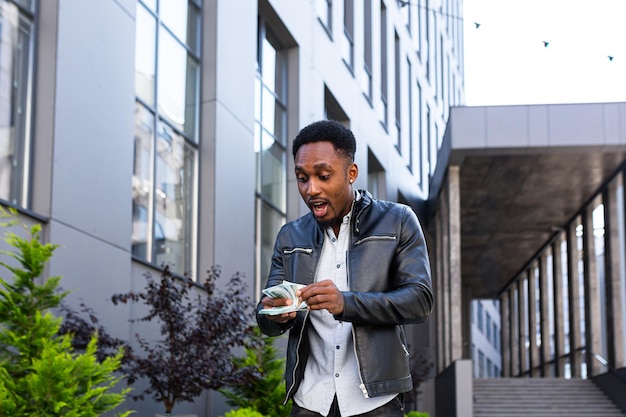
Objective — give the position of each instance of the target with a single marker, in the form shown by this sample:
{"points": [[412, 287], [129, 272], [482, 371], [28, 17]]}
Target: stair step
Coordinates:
{"points": [[541, 397]]}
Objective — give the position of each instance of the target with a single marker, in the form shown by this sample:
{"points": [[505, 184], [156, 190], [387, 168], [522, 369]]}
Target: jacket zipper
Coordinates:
{"points": [[358, 363], [305, 250], [365, 239], [295, 366]]}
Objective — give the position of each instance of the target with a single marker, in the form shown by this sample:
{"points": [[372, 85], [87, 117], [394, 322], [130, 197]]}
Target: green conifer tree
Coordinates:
{"points": [[40, 374], [265, 393]]}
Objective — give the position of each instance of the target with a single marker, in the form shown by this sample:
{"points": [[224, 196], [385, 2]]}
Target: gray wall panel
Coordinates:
{"points": [[93, 150]]}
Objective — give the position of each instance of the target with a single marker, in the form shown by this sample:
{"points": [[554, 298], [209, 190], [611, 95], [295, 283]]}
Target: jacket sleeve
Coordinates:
{"points": [[277, 273], [408, 297]]}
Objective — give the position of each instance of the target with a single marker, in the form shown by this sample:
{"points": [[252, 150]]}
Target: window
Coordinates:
{"points": [[333, 110], [496, 342], [405, 11], [409, 157], [325, 14], [440, 72], [375, 176], [420, 139], [479, 316], [398, 92], [383, 65], [488, 327], [347, 49], [270, 144], [420, 31], [16, 85], [366, 78], [426, 57], [481, 364], [167, 63]]}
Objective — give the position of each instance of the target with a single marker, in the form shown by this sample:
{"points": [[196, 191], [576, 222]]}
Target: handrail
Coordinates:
{"points": [[611, 369]]}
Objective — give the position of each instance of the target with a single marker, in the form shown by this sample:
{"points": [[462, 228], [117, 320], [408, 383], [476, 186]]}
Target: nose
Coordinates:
{"points": [[313, 188]]}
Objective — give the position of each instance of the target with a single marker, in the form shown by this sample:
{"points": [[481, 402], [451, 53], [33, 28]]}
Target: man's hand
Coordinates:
{"points": [[322, 295], [269, 302]]}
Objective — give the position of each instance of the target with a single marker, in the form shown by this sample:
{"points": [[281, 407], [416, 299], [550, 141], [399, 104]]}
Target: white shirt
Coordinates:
{"points": [[332, 366]]}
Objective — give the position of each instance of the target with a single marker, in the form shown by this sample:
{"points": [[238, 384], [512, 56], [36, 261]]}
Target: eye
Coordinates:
{"points": [[325, 177], [301, 179]]}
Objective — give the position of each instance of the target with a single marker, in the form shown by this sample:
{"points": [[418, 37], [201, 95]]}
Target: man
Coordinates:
{"points": [[365, 266]]}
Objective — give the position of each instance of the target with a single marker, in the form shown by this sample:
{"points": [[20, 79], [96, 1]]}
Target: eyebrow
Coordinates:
{"points": [[321, 165]]}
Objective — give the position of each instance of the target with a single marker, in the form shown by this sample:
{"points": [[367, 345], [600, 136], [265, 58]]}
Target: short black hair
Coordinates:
{"points": [[331, 131]]}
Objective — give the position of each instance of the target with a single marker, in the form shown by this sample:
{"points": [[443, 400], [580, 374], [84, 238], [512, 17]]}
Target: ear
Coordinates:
{"points": [[353, 172]]}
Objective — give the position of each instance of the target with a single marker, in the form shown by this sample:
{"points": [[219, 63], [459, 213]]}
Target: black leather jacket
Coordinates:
{"points": [[389, 280]]}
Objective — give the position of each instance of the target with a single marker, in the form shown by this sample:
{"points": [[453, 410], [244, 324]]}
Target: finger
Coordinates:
{"points": [[283, 318]]}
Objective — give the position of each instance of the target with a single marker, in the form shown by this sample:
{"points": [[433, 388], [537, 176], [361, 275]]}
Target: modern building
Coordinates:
{"points": [[144, 132], [529, 210], [485, 337]]}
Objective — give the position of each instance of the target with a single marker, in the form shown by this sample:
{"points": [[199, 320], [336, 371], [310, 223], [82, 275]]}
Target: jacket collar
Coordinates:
{"points": [[360, 204]]}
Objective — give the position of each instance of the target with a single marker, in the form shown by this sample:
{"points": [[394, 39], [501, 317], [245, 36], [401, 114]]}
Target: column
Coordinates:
{"points": [[514, 332], [522, 320], [557, 293], [573, 300], [456, 305], [614, 284], [505, 333], [544, 317], [440, 312], [445, 277], [593, 323], [533, 352]]}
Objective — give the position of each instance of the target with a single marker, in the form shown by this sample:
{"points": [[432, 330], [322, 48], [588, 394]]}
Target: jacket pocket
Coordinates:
{"points": [[299, 264], [375, 238]]}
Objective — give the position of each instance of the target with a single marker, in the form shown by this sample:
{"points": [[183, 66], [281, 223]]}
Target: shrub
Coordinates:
{"points": [[265, 392], [416, 414], [199, 324], [40, 373], [243, 412], [199, 332]]}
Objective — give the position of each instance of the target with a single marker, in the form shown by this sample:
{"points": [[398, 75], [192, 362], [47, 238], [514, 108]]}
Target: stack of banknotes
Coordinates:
{"points": [[284, 290]]}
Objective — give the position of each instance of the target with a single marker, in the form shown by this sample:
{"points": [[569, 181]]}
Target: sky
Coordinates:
{"points": [[507, 60]]}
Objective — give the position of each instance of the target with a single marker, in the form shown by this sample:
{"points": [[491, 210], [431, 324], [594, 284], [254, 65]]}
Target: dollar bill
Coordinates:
{"points": [[287, 290]]}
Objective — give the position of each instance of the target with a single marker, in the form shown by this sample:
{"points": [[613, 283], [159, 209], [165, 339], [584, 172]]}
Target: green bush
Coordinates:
{"points": [[40, 374], [265, 391], [416, 414], [243, 412]]}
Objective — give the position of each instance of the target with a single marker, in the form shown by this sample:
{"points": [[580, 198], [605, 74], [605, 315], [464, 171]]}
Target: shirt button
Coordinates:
{"points": [[338, 347], [336, 375], [338, 265], [334, 239]]}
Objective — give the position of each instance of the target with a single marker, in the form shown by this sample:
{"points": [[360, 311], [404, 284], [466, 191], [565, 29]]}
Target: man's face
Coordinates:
{"points": [[324, 181]]}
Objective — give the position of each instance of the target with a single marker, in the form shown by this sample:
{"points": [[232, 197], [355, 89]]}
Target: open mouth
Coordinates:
{"points": [[319, 209]]}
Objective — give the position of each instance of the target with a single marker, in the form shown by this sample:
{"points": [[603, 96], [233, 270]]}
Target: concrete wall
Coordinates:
{"points": [[613, 385], [454, 390]]}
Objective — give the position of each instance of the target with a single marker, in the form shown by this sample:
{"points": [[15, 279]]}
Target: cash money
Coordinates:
{"points": [[287, 290]]}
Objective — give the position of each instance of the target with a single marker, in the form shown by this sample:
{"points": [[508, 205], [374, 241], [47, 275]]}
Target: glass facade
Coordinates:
{"points": [[270, 144], [17, 34], [578, 296], [167, 77]]}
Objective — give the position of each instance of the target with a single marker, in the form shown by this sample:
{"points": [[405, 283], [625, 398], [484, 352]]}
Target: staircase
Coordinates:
{"points": [[540, 397]]}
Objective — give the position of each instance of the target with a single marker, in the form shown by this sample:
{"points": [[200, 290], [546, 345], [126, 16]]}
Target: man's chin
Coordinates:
{"points": [[324, 223]]}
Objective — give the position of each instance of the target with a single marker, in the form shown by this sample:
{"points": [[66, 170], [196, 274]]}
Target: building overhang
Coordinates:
{"points": [[525, 172]]}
